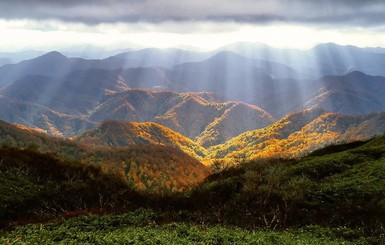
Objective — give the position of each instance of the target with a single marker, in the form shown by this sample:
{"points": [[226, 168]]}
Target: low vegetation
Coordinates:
{"points": [[39, 186], [334, 195], [141, 227]]}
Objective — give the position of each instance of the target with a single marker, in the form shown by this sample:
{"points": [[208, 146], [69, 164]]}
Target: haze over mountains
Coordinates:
{"points": [[321, 60], [208, 97], [278, 81]]}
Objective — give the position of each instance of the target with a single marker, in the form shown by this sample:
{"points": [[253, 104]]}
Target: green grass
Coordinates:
{"points": [[336, 196], [142, 227]]}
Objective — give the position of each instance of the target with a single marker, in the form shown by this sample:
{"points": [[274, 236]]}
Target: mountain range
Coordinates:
{"points": [[321, 60], [244, 99], [275, 80], [151, 157], [295, 135], [247, 136], [70, 112]]}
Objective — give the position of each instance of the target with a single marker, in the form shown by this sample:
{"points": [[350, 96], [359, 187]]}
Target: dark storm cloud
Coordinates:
{"points": [[351, 12]]}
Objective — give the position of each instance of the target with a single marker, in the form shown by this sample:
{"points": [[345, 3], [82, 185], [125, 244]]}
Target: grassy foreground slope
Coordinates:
{"points": [[334, 195], [141, 227], [336, 186]]}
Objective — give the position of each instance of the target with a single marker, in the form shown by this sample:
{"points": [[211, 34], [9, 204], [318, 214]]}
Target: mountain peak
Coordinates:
{"points": [[53, 56], [356, 74], [335, 47], [327, 45]]}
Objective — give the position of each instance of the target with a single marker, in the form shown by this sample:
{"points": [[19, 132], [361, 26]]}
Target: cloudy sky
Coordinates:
{"points": [[206, 24]]}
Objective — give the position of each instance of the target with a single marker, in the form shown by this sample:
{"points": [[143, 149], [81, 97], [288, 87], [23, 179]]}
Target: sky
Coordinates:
{"points": [[202, 24]]}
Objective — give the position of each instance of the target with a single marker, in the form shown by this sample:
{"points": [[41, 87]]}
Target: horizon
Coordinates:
{"points": [[197, 47], [98, 52]]}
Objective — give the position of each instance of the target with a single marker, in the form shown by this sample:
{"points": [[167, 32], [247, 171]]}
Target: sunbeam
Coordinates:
{"points": [[183, 122]]}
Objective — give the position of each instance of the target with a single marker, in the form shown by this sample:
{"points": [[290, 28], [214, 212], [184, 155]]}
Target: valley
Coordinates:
{"points": [[176, 141], [208, 122], [225, 107]]}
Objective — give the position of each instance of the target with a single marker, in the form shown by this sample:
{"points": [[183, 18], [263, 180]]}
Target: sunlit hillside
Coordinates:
{"points": [[114, 133], [340, 185], [192, 122], [300, 133], [327, 197], [154, 168]]}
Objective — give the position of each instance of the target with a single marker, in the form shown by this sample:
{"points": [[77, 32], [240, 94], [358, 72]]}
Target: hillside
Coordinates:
{"points": [[191, 114], [210, 123], [85, 98], [154, 168], [115, 133], [74, 93], [354, 93], [300, 133], [333, 196], [37, 116], [57, 66], [341, 185], [238, 118], [321, 60], [37, 186]]}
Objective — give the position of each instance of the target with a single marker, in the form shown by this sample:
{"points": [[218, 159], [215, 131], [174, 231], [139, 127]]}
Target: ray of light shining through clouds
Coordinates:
{"points": [[199, 24], [265, 53], [192, 121]]}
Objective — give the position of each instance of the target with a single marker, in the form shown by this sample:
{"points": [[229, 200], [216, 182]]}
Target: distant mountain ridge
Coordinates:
{"points": [[195, 115], [354, 93], [321, 60], [66, 96], [55, 65], [261, 80]]}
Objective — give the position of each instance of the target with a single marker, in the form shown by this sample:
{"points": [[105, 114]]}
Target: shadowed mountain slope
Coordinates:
{"points": [[37, 116], [108, 98], [56, 66], [195, 115], [353, 93], [90, 91], [321, 60]]}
